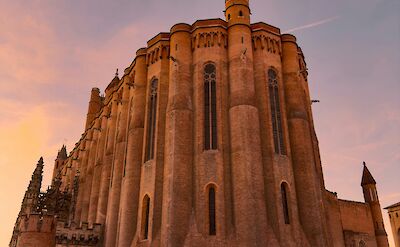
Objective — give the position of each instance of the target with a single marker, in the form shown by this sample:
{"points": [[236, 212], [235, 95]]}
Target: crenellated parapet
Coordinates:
{"points": [[83, 235], [37, 223], [35, 230]]}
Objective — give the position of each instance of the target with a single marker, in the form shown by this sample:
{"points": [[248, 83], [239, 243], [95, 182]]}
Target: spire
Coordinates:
{"points": [[116, 77], [37, 176], [367, 177], [31, 197], [62, 154], [114, 81]]}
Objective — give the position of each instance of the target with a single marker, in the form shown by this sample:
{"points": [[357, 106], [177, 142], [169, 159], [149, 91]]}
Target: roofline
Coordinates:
{"points": [[393, 206]]}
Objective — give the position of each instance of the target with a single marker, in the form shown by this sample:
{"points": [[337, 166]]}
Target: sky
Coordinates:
{"points": [[53, 52]]}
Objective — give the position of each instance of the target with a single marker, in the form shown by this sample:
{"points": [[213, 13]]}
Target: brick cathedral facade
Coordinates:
{"points": [[207, 140]]}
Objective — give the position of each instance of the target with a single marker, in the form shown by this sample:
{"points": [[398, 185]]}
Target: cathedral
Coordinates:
{"points": [[207, 139]]}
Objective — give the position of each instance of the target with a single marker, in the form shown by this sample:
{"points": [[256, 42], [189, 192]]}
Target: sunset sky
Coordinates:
{"points": [[52, 52]]}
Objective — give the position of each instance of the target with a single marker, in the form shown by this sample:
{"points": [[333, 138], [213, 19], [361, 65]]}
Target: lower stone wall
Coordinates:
{"points": [[36, 230], [334, 219], [36, 239], [357, 224]]}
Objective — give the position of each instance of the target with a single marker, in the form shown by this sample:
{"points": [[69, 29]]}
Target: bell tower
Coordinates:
{"points": [[368, 185]]}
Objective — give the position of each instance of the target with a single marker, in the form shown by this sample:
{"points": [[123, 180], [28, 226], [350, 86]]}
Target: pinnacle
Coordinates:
{"points": [[367, 177], [62, 154]]}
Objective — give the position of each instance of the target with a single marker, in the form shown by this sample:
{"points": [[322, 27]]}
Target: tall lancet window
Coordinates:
{"points": [[210, 107], [145, 217], [151, 120], [285, 204], [276, 116], [211, 211]]}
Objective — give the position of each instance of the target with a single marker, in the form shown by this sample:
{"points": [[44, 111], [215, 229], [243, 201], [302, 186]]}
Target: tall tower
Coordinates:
{"points": [[371, 197], [250, 218]]}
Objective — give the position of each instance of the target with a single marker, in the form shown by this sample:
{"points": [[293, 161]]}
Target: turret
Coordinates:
{"points": [[252, 227], [237, 12], [95, 104], [178, 139], [368, 185], [131, 184], [61, 157], [305, 167]]}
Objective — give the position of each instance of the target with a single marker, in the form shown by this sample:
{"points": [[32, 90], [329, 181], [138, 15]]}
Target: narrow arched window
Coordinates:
{"points": [[145, 217], [151, 120], [371, 194], [210, 107], [211, 211], [276, 116], [285, 204]]}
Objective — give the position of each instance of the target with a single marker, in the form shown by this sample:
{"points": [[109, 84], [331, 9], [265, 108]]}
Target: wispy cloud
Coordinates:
{"points": [[314, 24]]}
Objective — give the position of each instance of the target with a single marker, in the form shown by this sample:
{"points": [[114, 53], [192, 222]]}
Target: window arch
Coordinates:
{"points": [[276, 116], [210, 107], [145, 217], [240, 13], [151, 120], [211, 211], [372, 194], [285, 204]]}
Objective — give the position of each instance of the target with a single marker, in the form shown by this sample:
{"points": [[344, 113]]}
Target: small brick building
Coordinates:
{"points": [[394, 216]]}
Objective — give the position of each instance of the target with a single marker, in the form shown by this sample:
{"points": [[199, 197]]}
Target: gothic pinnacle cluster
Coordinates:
{"points": [[207, 139]]}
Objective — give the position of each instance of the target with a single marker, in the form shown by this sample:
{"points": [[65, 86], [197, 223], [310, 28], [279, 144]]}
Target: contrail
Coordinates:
{"points": [[314, 24]]}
